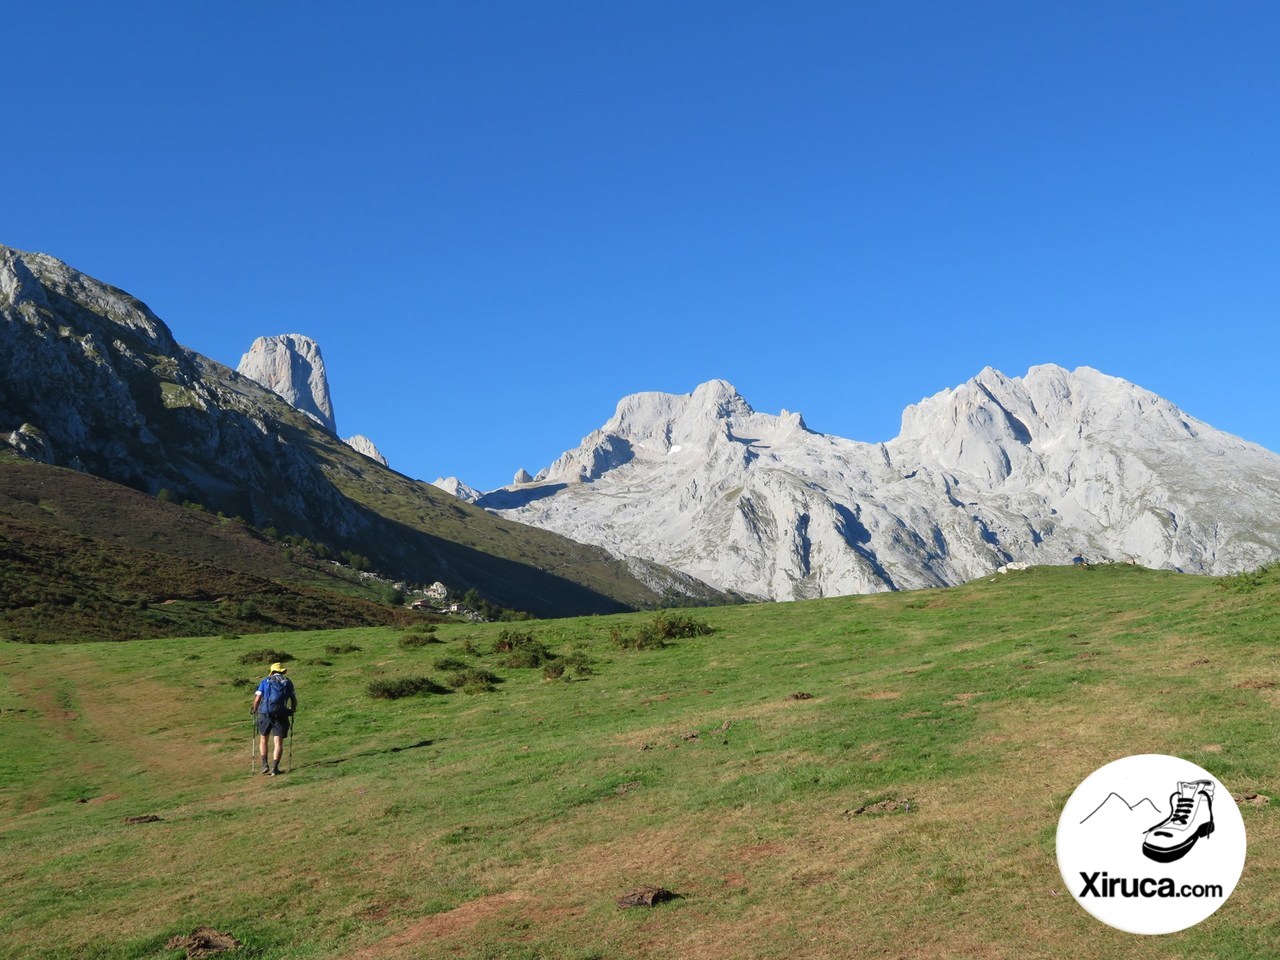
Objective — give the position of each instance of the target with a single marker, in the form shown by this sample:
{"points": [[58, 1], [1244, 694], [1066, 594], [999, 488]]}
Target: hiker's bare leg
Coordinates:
{"points": [[279, 750], [262, 748]]}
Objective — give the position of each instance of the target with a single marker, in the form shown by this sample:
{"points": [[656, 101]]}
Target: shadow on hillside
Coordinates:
{"points": [[514, 499], [370, 753]]}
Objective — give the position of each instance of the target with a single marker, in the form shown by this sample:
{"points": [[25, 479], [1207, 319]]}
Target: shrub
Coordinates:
{"points": [[265, 656], [509, 640], [523, 651], [239, 682], [410, 640], [450, 663], [644, 638], [678, 626], [553, 670], [469, 648], [403, 687], [655, 634], [333, 649], [472, 680]]}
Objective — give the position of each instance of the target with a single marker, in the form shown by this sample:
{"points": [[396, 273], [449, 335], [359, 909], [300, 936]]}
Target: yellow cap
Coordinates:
{"points": [[278, 668]]}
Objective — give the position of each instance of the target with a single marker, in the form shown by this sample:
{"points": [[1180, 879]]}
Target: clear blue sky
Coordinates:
{"points": [[498, 218]]}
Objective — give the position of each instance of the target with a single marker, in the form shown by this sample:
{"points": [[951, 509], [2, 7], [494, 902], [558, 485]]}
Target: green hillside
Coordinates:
{"points": [[505, 822]]}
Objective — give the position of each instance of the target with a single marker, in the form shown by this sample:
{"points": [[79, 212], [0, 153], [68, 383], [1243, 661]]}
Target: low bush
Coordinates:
{"points": [[333, 649], [451, 663], [265, 656], [472, 680], [403, 687], [522, 651], [655, 634], [411, 640]]}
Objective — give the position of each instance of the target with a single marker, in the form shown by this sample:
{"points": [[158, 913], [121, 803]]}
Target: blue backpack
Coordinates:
{"points": [[275, 695]]}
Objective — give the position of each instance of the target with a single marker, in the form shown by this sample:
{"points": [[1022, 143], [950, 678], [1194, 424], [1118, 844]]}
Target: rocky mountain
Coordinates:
{"points": [[362, 444], [92, 379], [291, 366], [1043, 468]]}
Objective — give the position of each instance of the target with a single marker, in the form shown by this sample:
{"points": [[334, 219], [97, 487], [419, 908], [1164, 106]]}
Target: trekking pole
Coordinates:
{"points": [[293, 735], [253, 744]]}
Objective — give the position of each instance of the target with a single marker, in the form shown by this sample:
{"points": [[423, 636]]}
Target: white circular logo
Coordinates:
{"points": [[1151, 844]]}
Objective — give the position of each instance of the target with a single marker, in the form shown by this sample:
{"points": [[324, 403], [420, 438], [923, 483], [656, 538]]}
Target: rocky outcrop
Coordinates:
{"points": [[457, 488], [91, 379], [1000, 470], [291, 366], [362, 444]]}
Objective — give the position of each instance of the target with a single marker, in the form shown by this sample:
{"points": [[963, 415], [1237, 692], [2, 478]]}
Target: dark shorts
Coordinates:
{"points": [[276, 726]]}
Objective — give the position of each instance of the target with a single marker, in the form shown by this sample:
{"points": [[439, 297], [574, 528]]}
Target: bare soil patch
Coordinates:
{"points": [[883, 806], [203, 942], [457, 920], [645, 897]]}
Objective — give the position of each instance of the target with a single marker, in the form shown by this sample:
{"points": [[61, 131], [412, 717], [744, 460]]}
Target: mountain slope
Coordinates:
{"points": [[1038, 469], [88, 559], [91, 379]]}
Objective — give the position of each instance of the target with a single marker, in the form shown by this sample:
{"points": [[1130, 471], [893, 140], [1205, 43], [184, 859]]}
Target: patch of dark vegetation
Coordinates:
{"points": [[423, 628], [147, 818], [238, 682], [265, 655], [90, 560], [800, 695], [316, 662], [473, 680], [667, 625], [335, 649], [411, 640], [450, 663], [553, 671], [1250, 580], [403, 687], [523, 652]]}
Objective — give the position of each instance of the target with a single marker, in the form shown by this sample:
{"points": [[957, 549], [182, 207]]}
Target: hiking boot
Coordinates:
{"points": [[265, 770], [275, 771], [1190, 818]]}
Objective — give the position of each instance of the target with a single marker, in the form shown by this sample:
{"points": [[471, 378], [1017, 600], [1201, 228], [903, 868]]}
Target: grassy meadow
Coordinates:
{"points": [[505, 817]]}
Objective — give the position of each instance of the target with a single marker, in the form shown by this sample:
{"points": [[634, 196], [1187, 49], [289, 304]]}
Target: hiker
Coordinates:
{"points": [[274, 704]]}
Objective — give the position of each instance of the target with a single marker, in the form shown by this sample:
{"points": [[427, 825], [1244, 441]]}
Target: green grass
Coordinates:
{"points": [[505, 823]]}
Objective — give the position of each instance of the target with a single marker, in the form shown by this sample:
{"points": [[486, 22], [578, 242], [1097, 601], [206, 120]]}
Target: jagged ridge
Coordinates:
{"points": [[1037, 469]]}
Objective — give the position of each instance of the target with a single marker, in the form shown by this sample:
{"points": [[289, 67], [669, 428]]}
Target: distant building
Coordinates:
{"points": [[437, 591]]}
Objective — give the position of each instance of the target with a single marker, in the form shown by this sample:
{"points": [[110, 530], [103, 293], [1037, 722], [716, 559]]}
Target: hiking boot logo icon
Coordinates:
{"points": [[1190, 818]]}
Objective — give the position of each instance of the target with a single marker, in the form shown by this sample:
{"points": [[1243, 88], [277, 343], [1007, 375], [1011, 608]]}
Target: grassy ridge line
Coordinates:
{"points": [[504, 824]]}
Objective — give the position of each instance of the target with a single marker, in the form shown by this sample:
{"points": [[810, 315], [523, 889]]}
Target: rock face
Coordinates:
{"points": [[362, 444], [459, 489], [291, 365], [91, 379], [1000, 470]]}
